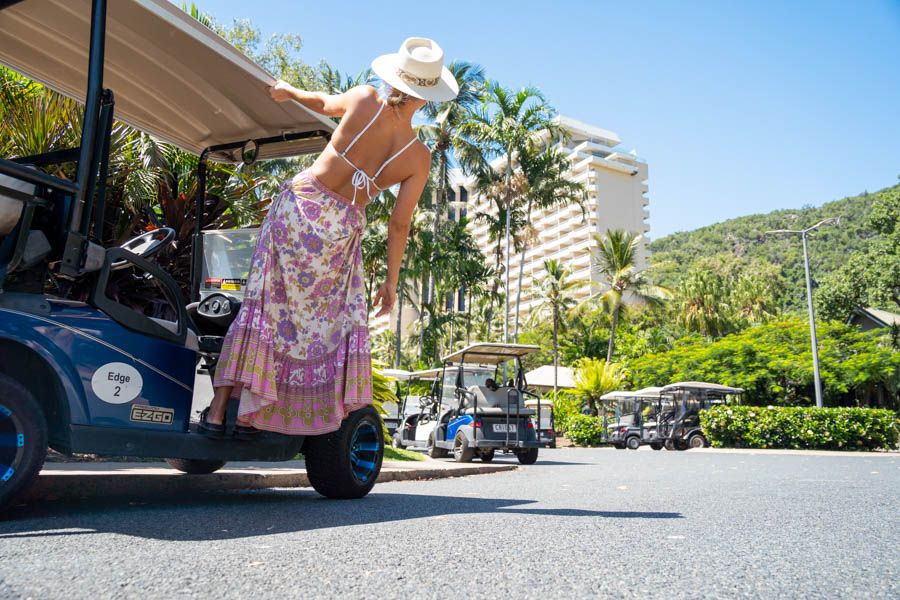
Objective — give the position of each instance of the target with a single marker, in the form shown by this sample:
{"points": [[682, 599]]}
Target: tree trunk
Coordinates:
{"points": [[469, 319], [521, 272], [506, 271], [397, 343], [438, 209], [555, 353], [612, 333], [422, 319]]}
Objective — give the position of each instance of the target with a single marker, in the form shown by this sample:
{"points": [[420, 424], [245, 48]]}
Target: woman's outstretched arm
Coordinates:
{"points": [[398, 232], [330, 105]]}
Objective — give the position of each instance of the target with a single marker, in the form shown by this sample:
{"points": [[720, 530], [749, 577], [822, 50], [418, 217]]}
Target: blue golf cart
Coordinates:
{"points": [[97, 376], [485, 415]]}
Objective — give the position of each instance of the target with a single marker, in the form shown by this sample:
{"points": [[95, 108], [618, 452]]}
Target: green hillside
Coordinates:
{"points": [[675, 254]]}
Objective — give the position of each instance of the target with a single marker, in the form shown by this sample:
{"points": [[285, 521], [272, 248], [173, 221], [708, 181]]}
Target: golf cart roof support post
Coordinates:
{"points": [[103, 126], [106, 119], [91, 110], [197, 245]]}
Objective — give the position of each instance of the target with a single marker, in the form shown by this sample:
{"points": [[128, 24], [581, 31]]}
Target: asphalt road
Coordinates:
{"points": [[579, 524]]}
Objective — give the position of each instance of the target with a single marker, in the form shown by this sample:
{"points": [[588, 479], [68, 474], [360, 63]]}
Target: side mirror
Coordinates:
{"points": [[250, 152]]}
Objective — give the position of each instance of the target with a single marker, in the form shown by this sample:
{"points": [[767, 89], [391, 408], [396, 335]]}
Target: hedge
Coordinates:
{"points": [[584, 430], [794, 427]]}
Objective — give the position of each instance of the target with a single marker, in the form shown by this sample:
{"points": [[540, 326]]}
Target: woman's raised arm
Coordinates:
{"points": [[330, 105]]}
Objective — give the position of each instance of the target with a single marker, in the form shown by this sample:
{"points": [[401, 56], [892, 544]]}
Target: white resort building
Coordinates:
{"points": [[615, 180]]}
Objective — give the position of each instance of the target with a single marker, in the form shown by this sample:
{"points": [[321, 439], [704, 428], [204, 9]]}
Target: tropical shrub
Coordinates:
{"points": [[382, 392], [593, 379], [808, 428], [565, 406], [584, 430]]}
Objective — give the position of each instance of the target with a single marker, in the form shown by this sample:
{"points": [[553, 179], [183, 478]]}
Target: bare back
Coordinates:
{"points": [[389, 137]]}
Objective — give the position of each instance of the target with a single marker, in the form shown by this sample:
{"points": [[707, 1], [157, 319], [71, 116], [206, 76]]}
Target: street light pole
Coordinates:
{"points": [[812, 323], [809, 301]]}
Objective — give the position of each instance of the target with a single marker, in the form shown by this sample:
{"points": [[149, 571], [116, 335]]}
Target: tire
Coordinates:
{"points": [[681, 445], [24, 429], [619, 446], [461, 451], [487, 455], [345, 464], [656, 446], [697, 441], [633, 443], [527, 457], [433, 451], [195, 467], [669, 445]]}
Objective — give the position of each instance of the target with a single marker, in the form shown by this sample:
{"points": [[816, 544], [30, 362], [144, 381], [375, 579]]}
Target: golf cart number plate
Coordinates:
{"points": [[501, 428]]}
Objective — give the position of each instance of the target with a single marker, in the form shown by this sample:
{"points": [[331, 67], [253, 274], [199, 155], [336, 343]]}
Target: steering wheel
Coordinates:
{"points": [[146, 245]]}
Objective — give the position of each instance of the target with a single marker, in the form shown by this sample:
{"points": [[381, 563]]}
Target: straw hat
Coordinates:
{"points": [[418, 69]]}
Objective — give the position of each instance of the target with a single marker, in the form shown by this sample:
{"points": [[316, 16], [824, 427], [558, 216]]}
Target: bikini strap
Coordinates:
{"points": [[364, 129], [388, 161]]}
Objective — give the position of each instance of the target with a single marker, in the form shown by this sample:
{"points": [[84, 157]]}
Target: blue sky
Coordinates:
{"points": [[738, 107]]}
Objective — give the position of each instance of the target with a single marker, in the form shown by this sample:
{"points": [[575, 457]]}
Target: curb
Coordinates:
{"points": [[61, 485]]}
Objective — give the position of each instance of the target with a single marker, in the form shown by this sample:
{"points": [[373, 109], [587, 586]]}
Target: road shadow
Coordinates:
{"points": [[232, 515]]}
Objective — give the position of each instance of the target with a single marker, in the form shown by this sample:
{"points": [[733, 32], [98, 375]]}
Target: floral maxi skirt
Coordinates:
{"points": [[298, 351]]}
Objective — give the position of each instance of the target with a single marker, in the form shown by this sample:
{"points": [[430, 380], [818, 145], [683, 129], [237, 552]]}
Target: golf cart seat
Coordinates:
{"points": [[20, 246], [495, 402]]}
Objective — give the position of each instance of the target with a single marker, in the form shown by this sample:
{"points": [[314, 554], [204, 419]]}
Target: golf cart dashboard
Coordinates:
{"points": [[215, 313]]}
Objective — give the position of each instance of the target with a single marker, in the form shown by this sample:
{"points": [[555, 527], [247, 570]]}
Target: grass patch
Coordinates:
{"points": [[391, 453]]}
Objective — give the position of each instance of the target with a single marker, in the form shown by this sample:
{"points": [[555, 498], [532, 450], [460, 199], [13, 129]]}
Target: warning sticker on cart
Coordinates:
{"points": [[117, 383], [233, 285]]}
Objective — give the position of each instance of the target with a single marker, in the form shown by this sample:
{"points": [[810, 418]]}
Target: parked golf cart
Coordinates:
{"points": [[634, 422], [418, 410], [483, 418], [394, 410], [98, 377], [679, 428]]}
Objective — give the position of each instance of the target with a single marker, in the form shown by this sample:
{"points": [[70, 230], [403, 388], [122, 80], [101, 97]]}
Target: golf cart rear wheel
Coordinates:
{"points": [[527, 457], [656, 446], [433, 450], [461, 450], [23, 439], [195, 467], [697, 441], [618, 446], [487, 455], [669, 444], [633, 443], [346, 462]]}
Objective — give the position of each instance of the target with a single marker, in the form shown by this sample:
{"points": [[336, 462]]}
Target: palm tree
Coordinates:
{"points": [[547, 187], [448, 145], [505, 124], [555, 291], [615, 261], [594, 378]]}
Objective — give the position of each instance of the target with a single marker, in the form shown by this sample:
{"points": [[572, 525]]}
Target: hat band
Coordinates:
{"points": [[411, 79]]}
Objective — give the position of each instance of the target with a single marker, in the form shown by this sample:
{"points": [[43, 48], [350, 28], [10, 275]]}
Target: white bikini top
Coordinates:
{"points": [[361, 180]]}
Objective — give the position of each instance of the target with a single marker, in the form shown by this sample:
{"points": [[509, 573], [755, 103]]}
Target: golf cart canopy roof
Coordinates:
{"points": [[700, 386], [617, 395], [427, 374], [398, 374], [171, 76], [648, 392], [490, 354]]}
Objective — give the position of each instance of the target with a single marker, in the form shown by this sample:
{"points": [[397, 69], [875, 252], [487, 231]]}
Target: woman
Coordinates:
{"points": [[297, 355]]}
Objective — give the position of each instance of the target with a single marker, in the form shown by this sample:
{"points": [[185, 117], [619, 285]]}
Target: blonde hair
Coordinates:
{"points": [[395, 98]]}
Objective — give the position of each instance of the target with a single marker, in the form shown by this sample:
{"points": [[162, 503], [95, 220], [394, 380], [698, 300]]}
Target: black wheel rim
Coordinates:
{"points": [[12, 443], [364, 450]]}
